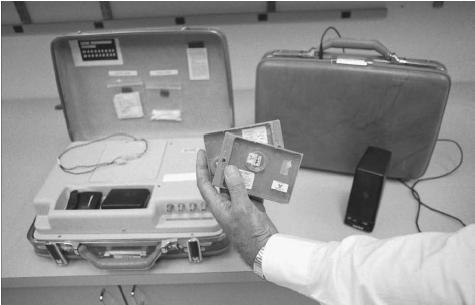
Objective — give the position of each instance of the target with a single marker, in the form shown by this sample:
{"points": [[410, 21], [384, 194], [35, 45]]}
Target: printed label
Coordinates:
{"points": [[254, 159], [163, 72], [351, 61], [248, 178], [162, 85], [198, 67], [128, 105], [256, 134], [280, 186], [120, 83], [166, 115], [123, 73]]}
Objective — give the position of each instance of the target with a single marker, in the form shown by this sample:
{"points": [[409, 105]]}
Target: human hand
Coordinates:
{"points": [[242, 219]]}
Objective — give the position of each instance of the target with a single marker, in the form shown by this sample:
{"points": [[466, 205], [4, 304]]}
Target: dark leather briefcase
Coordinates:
{"points": [[334, 105]]}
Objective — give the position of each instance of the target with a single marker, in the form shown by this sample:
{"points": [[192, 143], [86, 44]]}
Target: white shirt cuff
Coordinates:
{"points": [[287, 260]]}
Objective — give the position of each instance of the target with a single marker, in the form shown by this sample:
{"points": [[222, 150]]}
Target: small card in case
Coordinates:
{"points": [[268, 172]]}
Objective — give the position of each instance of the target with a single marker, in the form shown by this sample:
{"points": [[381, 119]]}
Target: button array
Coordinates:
{"points": [[98, 53], [191, 207]]}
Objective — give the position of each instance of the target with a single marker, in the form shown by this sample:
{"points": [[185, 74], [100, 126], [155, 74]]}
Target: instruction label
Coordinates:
{"points": [[256, 134], [198, 66], [123, 73], [166, 115], [128, 105], [280, 186], [163, 72], [248, 178]]}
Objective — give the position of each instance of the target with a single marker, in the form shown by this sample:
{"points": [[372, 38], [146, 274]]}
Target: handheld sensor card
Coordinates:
{"points": [[268, 172], [128, 105], [266, 132]]}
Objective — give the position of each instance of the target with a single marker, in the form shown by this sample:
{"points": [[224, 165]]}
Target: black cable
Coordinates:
{"points": [[449, 172], [417, 196], [320, 49]]}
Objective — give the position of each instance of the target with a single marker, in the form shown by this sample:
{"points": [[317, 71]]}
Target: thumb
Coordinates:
{"points": [[235, 184]]}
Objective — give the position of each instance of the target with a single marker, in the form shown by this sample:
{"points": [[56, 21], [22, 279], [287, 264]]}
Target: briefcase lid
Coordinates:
{"points": [[153, 83]]}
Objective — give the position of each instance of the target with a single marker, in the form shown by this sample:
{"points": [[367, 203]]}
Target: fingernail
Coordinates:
{"points": [[231, 171]]}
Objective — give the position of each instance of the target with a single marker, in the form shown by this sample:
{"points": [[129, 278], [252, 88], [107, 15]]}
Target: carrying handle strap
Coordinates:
{"points": [[131, 263], [348, 43]]}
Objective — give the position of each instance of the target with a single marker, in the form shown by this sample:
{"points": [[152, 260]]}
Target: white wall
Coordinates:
{"points": [[412, 29]]}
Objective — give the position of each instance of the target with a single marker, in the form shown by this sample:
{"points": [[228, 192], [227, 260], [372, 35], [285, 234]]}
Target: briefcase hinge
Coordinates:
{"points": [[55, 251], [169, 245], [416, 63]]}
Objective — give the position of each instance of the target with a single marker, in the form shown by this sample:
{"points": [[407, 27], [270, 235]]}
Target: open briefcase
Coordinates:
{"points": [[146, 97], [333, 105]]}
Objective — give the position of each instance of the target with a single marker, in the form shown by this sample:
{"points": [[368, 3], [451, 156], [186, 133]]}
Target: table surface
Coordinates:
{"points": [[33, 134]]}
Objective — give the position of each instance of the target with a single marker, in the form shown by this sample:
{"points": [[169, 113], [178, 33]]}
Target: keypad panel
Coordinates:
{"points": [[92, 50]]}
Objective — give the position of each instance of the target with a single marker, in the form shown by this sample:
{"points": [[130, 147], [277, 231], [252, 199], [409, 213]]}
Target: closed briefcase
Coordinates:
{"points": [[333, 105]]}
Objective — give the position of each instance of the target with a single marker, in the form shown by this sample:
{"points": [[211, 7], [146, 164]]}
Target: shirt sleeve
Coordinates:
{"points": [[424, 268]]}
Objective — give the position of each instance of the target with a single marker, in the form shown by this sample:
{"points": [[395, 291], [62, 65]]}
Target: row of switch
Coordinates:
{"points": [[105, 55], [99, 51], [182, 207]]}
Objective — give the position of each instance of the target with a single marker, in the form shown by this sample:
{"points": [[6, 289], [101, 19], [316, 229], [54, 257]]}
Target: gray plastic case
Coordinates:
{"points": [[265, 132], [150, 60], [268, 172]]}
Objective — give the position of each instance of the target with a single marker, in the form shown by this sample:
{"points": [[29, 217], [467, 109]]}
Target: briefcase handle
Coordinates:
{"points": [[348, 43], [131, 263]]}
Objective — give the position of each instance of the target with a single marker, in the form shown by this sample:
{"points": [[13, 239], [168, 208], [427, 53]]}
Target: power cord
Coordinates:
{"points": [[417, 196], [87, 168], [320, 48]]}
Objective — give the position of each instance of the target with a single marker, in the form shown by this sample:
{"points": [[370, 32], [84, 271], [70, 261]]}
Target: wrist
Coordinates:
{"points": [[257, 265]]}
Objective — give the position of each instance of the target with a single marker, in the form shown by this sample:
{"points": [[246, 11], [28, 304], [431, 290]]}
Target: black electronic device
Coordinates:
{"points": [[84, 200], [367, 188], [126, 199]]}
